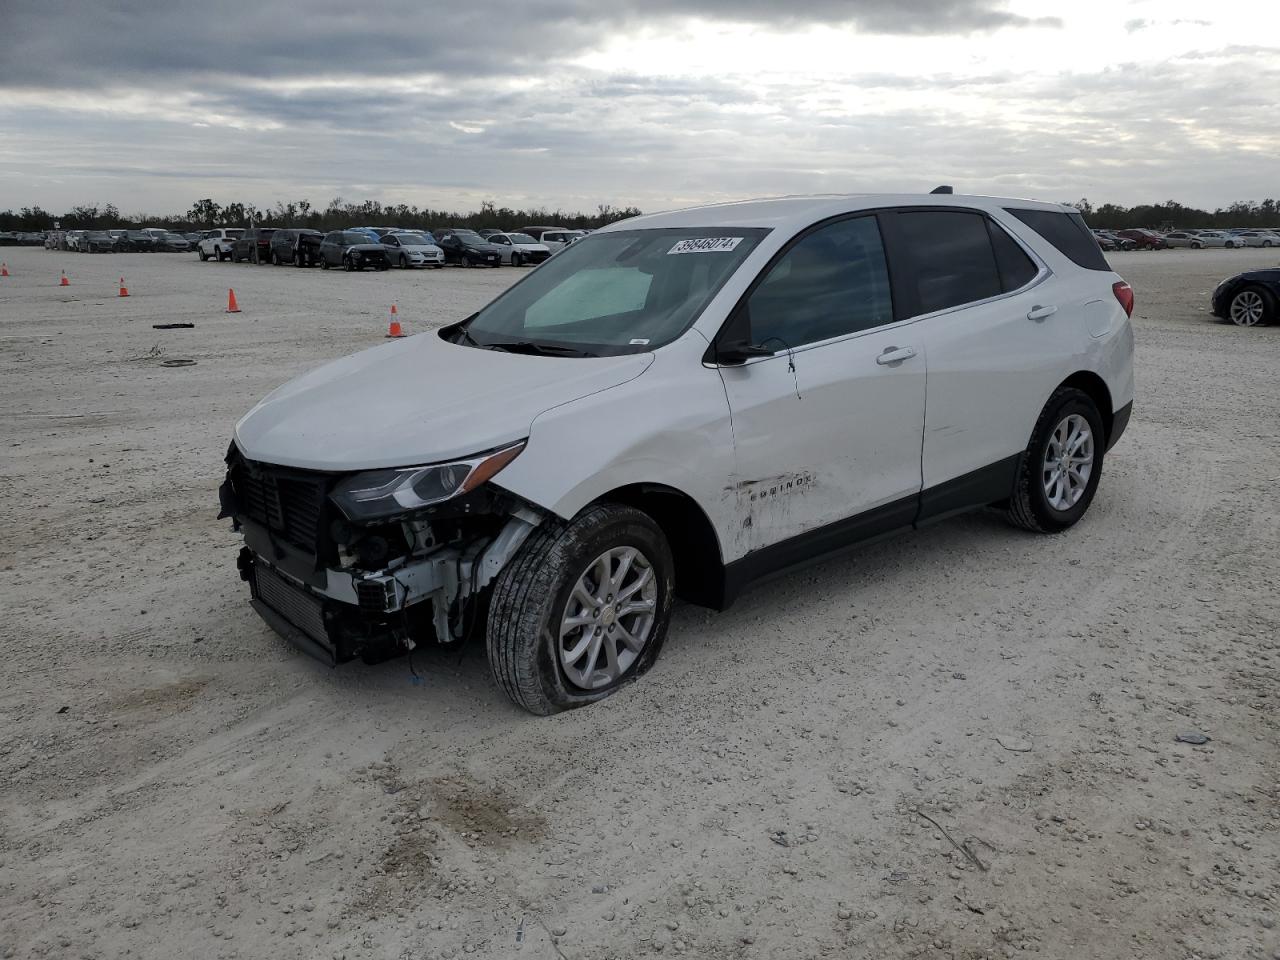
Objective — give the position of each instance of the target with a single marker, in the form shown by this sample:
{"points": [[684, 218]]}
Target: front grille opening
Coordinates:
{"points": [[291, 503]]}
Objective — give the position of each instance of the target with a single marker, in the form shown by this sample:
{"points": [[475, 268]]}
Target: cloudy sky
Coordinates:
{"points": [[655, 103]]}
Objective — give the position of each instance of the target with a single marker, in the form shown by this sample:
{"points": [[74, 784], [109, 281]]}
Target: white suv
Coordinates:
{"points": [[680, 405], [217, 243]]}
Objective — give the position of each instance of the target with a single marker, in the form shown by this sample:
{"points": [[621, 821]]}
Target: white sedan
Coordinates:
{"points": [[519, 248], [411, 249]]}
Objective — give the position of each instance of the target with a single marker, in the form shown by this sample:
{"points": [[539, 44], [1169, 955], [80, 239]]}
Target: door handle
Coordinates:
{"points": [[895, 355], [1041, 313]]}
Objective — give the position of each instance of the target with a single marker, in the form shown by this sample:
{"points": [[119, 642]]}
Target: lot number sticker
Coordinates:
{"points": [[705, 245]]}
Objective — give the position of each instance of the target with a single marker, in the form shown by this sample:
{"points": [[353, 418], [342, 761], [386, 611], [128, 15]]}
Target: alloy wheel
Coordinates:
{"points": [[608, 619], [1247, 308], [1068, 462]]}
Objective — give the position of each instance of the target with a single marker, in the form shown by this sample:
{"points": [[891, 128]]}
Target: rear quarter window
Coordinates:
{"points": [[1069, 235]]}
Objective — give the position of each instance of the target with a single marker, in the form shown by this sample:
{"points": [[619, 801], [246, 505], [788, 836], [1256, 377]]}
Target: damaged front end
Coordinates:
{"points": [[371, 564]]}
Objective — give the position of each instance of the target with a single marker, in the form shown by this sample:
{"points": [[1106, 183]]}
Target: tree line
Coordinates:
{"points": [[206, 214]]}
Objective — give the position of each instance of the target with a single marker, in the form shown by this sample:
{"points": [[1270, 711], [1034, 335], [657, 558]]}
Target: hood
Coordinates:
{"points": [[537, 247], [484, 246], [420, 247], [1271, 274], [366, 247], [418, 400]]}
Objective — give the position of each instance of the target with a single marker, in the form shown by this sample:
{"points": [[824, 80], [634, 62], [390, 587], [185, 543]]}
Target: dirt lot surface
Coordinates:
{"points": [[956, 744]]}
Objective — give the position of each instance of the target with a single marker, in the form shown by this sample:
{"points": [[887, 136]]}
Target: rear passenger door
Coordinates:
{"points": [[986, 313]]}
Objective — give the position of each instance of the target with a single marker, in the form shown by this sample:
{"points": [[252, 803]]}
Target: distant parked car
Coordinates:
{"points": [[1196, 239], [218, 243], [1105, 242], [284, 245], [1145, 239], [306, 248], [557, 240], [369, 232], [253, 245], [519, 248], [1249, 299], [408, 249], [172, 243], [352, 250], [136, 241], [467, 248], [96, 241], [1258, 238]]}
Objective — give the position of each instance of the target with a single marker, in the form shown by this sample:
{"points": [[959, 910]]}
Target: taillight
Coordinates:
{"points": [[1124, 293]]}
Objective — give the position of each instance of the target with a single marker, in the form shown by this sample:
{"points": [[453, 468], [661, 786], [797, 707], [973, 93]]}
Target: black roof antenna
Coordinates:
{"points": [[945, 188]]}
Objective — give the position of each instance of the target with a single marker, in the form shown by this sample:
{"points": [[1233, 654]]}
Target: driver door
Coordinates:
{"points": [[828, 430]]}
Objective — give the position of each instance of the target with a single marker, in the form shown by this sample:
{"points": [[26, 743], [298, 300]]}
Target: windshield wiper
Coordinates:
{"points": [[540, 349]]}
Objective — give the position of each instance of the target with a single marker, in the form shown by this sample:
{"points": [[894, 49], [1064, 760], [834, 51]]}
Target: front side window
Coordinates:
{"points": [[832, 282], [951, 259], [624, 291]]}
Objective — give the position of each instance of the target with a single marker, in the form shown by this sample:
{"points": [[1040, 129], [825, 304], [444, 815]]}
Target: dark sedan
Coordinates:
{"points": [[284, 245], [135, 241], [97, 241], [254, 245], [1250, 298], [352, 251], [468, 248]]}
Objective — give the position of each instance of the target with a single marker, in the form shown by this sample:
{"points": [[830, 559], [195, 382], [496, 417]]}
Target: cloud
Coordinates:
{"points": [[67, 43]]}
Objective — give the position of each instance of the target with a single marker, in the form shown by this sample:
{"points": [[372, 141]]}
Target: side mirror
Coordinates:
{"points": [[734, 345]]}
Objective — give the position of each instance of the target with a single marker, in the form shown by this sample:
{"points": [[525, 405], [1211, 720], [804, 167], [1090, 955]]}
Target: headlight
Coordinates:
{"points": [[385, 493]]}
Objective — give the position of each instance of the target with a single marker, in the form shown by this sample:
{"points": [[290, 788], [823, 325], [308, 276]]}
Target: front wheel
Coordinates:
{"points": [[202, 255], [516, 260], [404, 262], [324, 264], [1250, 307], [347, 265], [1059, 472], [581, 610]]}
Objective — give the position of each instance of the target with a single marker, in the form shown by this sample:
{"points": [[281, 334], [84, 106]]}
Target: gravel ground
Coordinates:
{"points": [[956, 744]]}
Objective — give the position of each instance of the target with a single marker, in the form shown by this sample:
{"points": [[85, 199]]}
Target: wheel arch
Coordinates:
{"points": [[1098, 391], [695, 547]]}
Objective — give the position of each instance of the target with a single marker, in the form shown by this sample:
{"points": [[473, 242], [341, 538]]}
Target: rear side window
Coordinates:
{"points": [[1068, 233], [1016, 268], [951, 260]]}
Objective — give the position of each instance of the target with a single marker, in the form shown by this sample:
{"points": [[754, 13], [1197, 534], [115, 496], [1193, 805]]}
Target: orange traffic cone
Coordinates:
{"points": [[124, 291], [394, 330], [4, 269], [64, 282], [232, 306]]}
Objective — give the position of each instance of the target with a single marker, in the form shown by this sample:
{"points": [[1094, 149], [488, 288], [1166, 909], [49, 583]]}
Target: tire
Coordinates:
{"points": [[532, 596], [324, 263], [275, 258], [516, 261], [404, 262], [347, 265], [1266, 243], [1251, 307], [1029, 504], [202, 255], [1197, 246], [1230, 245]]}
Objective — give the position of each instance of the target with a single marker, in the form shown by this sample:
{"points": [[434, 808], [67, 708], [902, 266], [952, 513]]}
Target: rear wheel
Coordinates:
{"points": [[275, 258], [581, 610], [1252, 306], [1062, 465]]}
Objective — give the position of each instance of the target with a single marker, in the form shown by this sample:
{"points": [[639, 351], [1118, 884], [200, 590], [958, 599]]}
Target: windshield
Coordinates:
{"points": [[412, 239], [521, 238], [469, 235], [621, 292], [350, 238]]}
